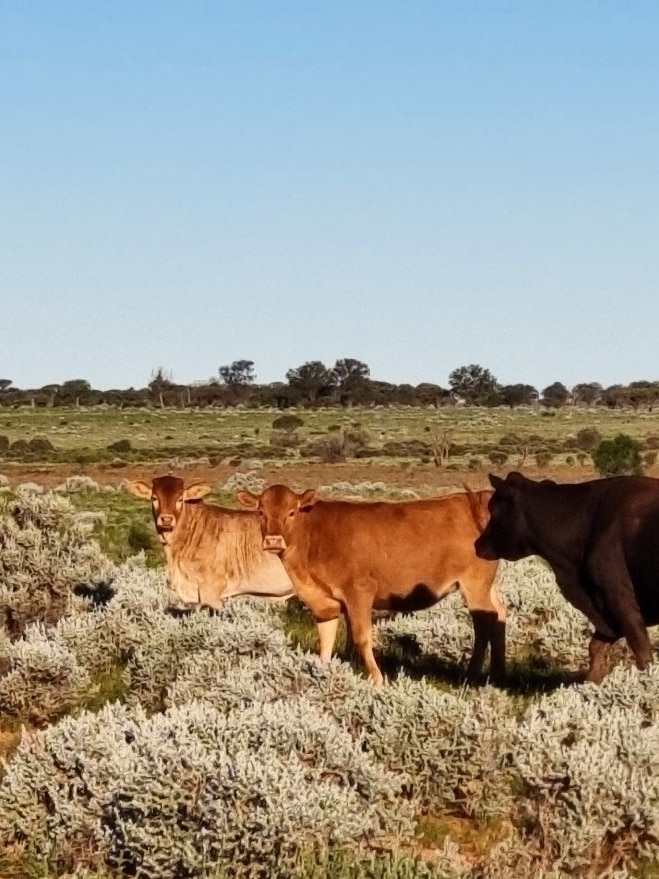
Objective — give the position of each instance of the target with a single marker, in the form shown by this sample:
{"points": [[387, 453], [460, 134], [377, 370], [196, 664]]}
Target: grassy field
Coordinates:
{"points": [[159, 430], [397, 445]]}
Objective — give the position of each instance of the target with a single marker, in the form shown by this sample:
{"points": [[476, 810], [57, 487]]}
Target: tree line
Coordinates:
{"points": [[347, 383]]}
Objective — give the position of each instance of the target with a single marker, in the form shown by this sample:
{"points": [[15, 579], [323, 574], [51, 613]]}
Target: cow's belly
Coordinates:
{"points": [[418, 597]]}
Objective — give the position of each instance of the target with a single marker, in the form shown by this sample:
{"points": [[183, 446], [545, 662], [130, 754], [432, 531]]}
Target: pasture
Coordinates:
{"points": [[141, 742]]}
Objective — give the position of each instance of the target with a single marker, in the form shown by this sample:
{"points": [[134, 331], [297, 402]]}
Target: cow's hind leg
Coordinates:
{"points": [[598, 653], [609, 571]]}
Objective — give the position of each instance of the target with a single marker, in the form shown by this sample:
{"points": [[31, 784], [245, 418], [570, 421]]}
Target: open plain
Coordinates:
{"points": [[142, 742]]}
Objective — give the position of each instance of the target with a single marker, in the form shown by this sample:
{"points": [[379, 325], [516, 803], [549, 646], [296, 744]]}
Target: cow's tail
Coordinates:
{"points": [[478, 501]]}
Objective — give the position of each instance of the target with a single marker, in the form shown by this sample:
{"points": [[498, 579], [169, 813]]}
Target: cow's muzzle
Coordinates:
{"points": [[274, 543]]}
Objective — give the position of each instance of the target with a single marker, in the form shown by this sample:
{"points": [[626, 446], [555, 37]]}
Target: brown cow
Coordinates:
{"points": [[212, 552], [352, 556]]}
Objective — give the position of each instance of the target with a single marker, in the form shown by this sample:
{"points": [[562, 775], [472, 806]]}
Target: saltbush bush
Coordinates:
{"points": [[44, 552]]}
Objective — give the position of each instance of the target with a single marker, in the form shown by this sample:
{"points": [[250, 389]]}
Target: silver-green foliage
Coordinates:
{"points": [[44, 552], [184, 792]]}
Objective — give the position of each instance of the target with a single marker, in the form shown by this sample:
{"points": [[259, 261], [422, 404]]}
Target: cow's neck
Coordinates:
{"points": [[556, 518], [176, 538]]}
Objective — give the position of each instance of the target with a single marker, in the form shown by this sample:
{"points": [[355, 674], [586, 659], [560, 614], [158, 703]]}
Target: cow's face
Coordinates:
{"points": [[506, 535], [168, 495], [278, 508]]}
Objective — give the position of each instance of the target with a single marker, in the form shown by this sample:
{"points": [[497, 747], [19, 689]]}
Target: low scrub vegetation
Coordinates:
{"points": [[162, 744]]}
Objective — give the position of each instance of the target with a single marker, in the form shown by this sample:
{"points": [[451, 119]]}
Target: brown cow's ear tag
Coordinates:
{"points": [[247, 499], [140, 489], [196, 491]]}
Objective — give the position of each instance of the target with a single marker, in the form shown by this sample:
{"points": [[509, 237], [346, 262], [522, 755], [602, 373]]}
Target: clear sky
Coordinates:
{"points": [[418, 185]]}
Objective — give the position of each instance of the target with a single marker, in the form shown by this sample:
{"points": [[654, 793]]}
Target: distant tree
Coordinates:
{"points": [[474, 383], [382, 393], [518, 395], [278, 394], [240, 372], [4, 383], [72, 390], [404, 395], [618, 457], [351, 379], [50, 392], [643, 393], [428, 394], [615, 396], [555, 395], [310, 382], [161, 380], [588, 393]]}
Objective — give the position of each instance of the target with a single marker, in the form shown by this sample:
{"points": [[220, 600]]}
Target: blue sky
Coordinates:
{"points": [[419, 185]]}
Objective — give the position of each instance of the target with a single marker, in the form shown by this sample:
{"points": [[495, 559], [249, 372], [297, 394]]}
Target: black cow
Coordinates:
{"points": [[601, 539]]}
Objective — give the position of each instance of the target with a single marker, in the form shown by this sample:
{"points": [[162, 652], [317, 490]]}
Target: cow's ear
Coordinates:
{"points": [[247, 499], [196, 491], [307, 500], [140, 489], [495, 481]]}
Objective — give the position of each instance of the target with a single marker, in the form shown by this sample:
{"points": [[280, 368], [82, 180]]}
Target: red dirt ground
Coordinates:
{"points": [[299, 475]]}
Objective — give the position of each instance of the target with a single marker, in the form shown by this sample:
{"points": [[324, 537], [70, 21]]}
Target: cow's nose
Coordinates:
{"points": [[274, 543], [167, 521]]}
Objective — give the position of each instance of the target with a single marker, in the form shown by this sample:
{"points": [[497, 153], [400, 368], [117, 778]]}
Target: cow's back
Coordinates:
{"points": [[412, 552]]}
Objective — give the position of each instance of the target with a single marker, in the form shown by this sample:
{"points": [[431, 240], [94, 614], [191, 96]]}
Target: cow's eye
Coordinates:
{"points": [[291, 513]]}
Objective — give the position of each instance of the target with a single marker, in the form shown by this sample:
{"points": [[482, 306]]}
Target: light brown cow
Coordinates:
{"points": [[352, 556], [212, 552]]}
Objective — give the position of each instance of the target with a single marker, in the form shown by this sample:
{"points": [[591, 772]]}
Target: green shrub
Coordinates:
{"points": [[140, 538], [618, 457], [498, 457], [120, 446], [287, 422], [543, 457], [40, 445], [588, 439]]}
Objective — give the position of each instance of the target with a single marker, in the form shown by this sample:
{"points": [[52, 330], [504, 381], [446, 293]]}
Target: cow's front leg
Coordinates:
{"points": [[326, 611], [359, 609], [326, 637]]}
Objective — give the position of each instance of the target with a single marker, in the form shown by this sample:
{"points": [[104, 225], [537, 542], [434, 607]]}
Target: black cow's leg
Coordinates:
{"points": [[627, 614], [498, 650], [608, 571], [598, 652], [482, 623]]}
